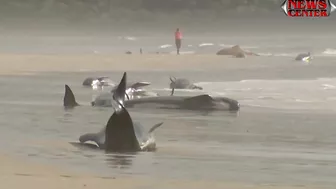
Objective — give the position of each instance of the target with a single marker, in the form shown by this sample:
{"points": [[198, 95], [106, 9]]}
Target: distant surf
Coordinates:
{"points": [[279, 94], [266, 50], [329, 51]]}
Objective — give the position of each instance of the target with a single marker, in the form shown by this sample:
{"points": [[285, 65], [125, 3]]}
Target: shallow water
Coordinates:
{"points": [[284, 133], [272, 44]]}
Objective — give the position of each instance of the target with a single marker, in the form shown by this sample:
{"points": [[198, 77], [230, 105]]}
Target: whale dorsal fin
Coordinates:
{"points": [[119, 93], [69, 99], [155, 127]]}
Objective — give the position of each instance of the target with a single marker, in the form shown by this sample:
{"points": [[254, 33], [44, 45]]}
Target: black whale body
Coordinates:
{"points": [[120, 133]]}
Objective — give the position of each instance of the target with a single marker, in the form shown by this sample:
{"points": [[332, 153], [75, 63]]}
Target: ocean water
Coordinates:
{"points": [[284, 133]]}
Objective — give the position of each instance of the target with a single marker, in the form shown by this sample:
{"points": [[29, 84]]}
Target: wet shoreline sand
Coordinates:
{"points": [[18, 173]]}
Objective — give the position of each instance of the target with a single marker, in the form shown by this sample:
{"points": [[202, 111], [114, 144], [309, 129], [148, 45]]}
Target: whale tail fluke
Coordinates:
{"points": [[119, 133], [69, 100], [155, 127]]}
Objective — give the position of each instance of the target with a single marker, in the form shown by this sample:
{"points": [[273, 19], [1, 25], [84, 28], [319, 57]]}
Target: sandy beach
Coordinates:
{"points": [[20, 173], [30, 63]]}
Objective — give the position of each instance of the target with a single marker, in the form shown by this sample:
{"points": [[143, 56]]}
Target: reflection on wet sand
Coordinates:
{"points": [[120, 161]]}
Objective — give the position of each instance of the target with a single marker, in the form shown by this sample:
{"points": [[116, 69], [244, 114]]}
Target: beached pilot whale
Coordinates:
{"points": [[303, 57], [96, 82], [120, 133], [182, 83], [69, 100], [133, 90], [203, 102], [106, 99], [235, 51]]}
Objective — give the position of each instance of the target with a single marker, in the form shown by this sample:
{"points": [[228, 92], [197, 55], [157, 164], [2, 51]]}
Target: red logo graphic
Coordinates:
{"points": [[308, 8]]}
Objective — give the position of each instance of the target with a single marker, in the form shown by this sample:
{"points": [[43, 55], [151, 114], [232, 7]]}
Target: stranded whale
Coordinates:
{"points": [[303, 57], [202, 102], [198, 102], [133, 91], [120, 133]]}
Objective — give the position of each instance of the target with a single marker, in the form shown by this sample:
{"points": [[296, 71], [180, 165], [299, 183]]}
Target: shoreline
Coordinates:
{"points": [[16, 173]]}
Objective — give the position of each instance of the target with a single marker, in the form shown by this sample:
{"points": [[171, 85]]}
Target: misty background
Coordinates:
{"points": [[142, 16]]}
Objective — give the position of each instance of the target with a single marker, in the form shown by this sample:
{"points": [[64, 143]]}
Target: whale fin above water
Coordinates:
{"points": [[120, 91], [155, 127], [69, 99], [132, 86], [172, 79], [119, 134]]}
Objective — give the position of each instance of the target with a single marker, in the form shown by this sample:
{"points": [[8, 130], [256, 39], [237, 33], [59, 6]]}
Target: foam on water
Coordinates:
{"points": [[263, 49], [205, 44], [330, 52], [129, 38], [280, 94], [165, 46]]}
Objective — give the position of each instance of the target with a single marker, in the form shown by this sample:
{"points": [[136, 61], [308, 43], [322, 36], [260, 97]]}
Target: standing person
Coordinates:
{"points": [[178, 40]]}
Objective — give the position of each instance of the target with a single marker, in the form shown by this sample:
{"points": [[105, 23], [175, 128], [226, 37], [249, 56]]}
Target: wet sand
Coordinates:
{"points": [[19, 173], [29, 63]]}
